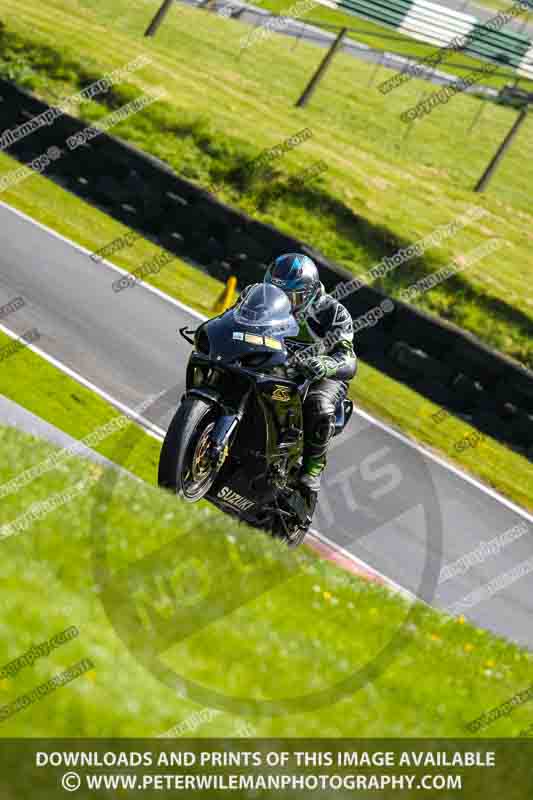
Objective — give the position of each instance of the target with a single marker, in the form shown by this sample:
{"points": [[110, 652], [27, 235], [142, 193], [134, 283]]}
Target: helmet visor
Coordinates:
{"points": [[299, 298]]}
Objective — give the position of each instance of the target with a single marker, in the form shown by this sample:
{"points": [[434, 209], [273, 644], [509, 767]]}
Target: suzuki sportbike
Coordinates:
{"points": [[236, 438]]}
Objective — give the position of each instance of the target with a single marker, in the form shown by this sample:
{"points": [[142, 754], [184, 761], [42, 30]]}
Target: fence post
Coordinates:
{"points": [[311, 86], [487, 175], [159, 17]]}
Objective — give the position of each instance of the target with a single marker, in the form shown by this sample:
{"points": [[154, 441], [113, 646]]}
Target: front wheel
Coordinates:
{"points": [[185, 466]]}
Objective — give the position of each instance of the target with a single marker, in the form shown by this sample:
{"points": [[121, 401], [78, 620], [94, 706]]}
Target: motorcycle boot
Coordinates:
{"points": [[311, 473]]}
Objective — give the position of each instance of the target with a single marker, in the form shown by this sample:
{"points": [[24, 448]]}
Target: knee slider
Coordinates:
{"points": [[319, 417]]}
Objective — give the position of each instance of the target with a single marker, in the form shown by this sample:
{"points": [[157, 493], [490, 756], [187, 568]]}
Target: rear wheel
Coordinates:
{"points": [[296, 537], [294, 529], [185, 466]]}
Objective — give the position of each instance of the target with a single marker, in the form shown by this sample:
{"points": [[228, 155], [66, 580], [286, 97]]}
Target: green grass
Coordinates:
{"points": [[381, 191], [445, 673]]}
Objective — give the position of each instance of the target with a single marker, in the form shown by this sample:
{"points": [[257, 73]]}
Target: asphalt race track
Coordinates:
{"points": [[400, 510]]}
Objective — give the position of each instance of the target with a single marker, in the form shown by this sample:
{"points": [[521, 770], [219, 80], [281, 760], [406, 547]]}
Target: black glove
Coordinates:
{"points": [[314, 368]]}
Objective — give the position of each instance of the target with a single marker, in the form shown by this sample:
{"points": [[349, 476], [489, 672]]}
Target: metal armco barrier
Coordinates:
{"points": [[437, 359], [439, 25]]}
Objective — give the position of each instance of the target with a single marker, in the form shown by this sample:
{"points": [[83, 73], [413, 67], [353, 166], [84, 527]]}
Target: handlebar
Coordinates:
{"points": [[304, 388]]}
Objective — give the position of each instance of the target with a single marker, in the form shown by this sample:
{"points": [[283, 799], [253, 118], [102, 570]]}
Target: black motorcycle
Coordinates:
{"points": [[237, 436]]}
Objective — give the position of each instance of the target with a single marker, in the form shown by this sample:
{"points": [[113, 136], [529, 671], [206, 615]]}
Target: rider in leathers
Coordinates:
{"points": [[324, 353]]}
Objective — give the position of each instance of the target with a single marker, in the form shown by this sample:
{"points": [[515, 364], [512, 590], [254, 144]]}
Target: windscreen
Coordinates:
{"points": [[267, 307]]}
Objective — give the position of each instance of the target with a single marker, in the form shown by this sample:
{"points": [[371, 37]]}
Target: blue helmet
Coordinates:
{"points": [[297, 275]]}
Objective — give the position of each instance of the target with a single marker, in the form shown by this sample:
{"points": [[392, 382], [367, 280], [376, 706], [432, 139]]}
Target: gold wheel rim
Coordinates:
{"points": [[201, 465]]}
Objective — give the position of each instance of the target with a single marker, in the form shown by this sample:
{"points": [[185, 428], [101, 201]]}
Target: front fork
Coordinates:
{"points": [[225, 426], [220, 437]]}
